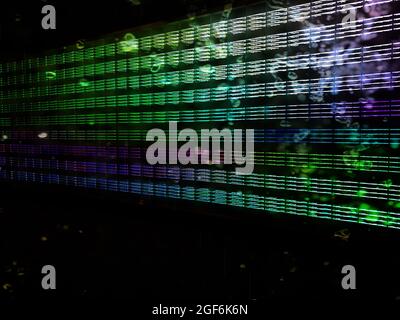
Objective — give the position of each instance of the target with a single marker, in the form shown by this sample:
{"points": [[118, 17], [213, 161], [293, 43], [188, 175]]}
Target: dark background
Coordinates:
{"points": [[21, 29], [115, 246], [111, 246]]}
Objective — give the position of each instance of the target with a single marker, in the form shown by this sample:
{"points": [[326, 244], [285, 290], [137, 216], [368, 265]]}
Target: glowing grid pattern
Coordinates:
{"points": [[318, 86]]}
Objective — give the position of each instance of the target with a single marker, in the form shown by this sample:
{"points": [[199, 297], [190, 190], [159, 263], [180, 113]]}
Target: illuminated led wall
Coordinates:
{"points": [[317, 81]]}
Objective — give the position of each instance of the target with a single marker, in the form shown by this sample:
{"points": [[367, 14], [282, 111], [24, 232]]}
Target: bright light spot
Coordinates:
{"points": [[50, 75]]}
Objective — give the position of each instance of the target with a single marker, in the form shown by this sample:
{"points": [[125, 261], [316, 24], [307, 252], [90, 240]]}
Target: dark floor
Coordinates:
{"points": [[111, 248]]}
